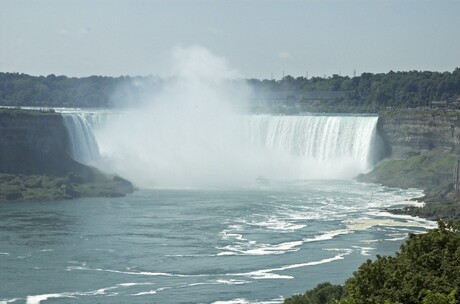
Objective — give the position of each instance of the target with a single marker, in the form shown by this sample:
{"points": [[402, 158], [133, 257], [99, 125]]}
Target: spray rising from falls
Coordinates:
{"points": [[268, 146], [195, 132]]}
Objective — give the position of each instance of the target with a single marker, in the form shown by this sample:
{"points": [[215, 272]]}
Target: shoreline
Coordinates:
{"points": [[429, 171]]}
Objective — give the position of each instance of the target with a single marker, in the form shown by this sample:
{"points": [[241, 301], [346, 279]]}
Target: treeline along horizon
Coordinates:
{"points": [[367, 91]]}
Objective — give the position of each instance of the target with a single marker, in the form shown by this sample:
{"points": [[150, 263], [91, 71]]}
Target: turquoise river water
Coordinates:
{"points": [[254, 244]]}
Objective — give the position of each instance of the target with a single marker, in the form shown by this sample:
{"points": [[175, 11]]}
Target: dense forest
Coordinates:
{"points": [[371, 92], [425, 271], [367, 92], [61, 91]]}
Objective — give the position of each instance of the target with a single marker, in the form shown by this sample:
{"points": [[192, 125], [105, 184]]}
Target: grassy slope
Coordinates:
{"points": [[431, 171], [45, 187]]}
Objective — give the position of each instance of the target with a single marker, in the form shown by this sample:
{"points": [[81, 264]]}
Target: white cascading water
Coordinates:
{"points": [[194, 131], [326, 143], [268, 146], [82, 143]]}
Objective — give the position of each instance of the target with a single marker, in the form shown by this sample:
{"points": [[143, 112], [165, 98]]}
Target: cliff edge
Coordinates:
{"points": [[410, 132], [35, 163]]}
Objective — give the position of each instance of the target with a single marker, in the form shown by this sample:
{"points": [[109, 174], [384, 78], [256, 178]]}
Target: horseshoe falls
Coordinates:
{"points": [[253, 209], [338, 146], [243, 150]]}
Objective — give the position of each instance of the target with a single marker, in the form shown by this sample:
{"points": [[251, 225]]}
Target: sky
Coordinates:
{"points": [[259, 38]]}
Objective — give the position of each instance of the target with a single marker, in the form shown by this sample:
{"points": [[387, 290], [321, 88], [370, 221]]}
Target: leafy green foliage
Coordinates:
{"points": [[61, 91], [372, 92], [45, 187], [425, 271], [366, 93], [324, 293]]}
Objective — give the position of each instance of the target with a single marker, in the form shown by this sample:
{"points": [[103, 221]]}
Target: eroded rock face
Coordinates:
{"points": [[35, 163], [409, 133], [32, 143]]}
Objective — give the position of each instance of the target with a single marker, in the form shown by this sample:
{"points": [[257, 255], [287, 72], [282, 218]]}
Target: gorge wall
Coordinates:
{"points": [[35, 163], [408, 133], [33, 142]]}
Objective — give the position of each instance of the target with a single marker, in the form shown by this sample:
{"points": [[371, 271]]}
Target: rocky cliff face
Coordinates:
{"points": [[33, 143], [408, 133], [35, 164]]}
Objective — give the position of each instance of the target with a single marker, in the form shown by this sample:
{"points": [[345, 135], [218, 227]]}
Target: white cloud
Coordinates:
{"points": [[284, 55]]}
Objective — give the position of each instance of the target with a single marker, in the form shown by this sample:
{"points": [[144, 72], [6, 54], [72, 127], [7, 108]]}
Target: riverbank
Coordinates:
{"points": [[431, 171], [425, 270], [35, 162], [19, 187]]}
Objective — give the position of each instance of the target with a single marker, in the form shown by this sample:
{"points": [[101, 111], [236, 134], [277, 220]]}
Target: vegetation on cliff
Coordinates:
{"points": [[365, 93], [45, 187], [370, 92], [35, 165], [431, 171], [425, 271]]}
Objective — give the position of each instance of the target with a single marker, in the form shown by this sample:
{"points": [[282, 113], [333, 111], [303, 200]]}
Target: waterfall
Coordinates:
{"points": [[151, 152], [321, 139], [83, 146]]}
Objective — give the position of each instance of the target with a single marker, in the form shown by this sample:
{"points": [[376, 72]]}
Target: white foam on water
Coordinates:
{"points": [[370, 241], [414, 203], [226, 235], [233, 301], [6, 301], [134, 284], [224, 253], [396, 239], [363, 250], [232, 282], [327, 236], [405, 220], [189, 255], [216, 282], [259, 249], [4, 253], [37, 299], [246, 301], [274, 223], [254, 248], [264, 274], [150, 292], [140, 273]]}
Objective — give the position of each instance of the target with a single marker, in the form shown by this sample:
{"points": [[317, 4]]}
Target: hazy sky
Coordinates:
{"points": [[257, 37]]}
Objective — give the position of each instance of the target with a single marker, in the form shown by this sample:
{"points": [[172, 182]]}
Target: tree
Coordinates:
{"points": [[324, 293], [426, 270]]}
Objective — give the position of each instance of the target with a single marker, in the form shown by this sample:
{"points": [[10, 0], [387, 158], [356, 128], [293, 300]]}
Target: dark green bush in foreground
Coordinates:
{"points": [[324, 293], [425, 271]]}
